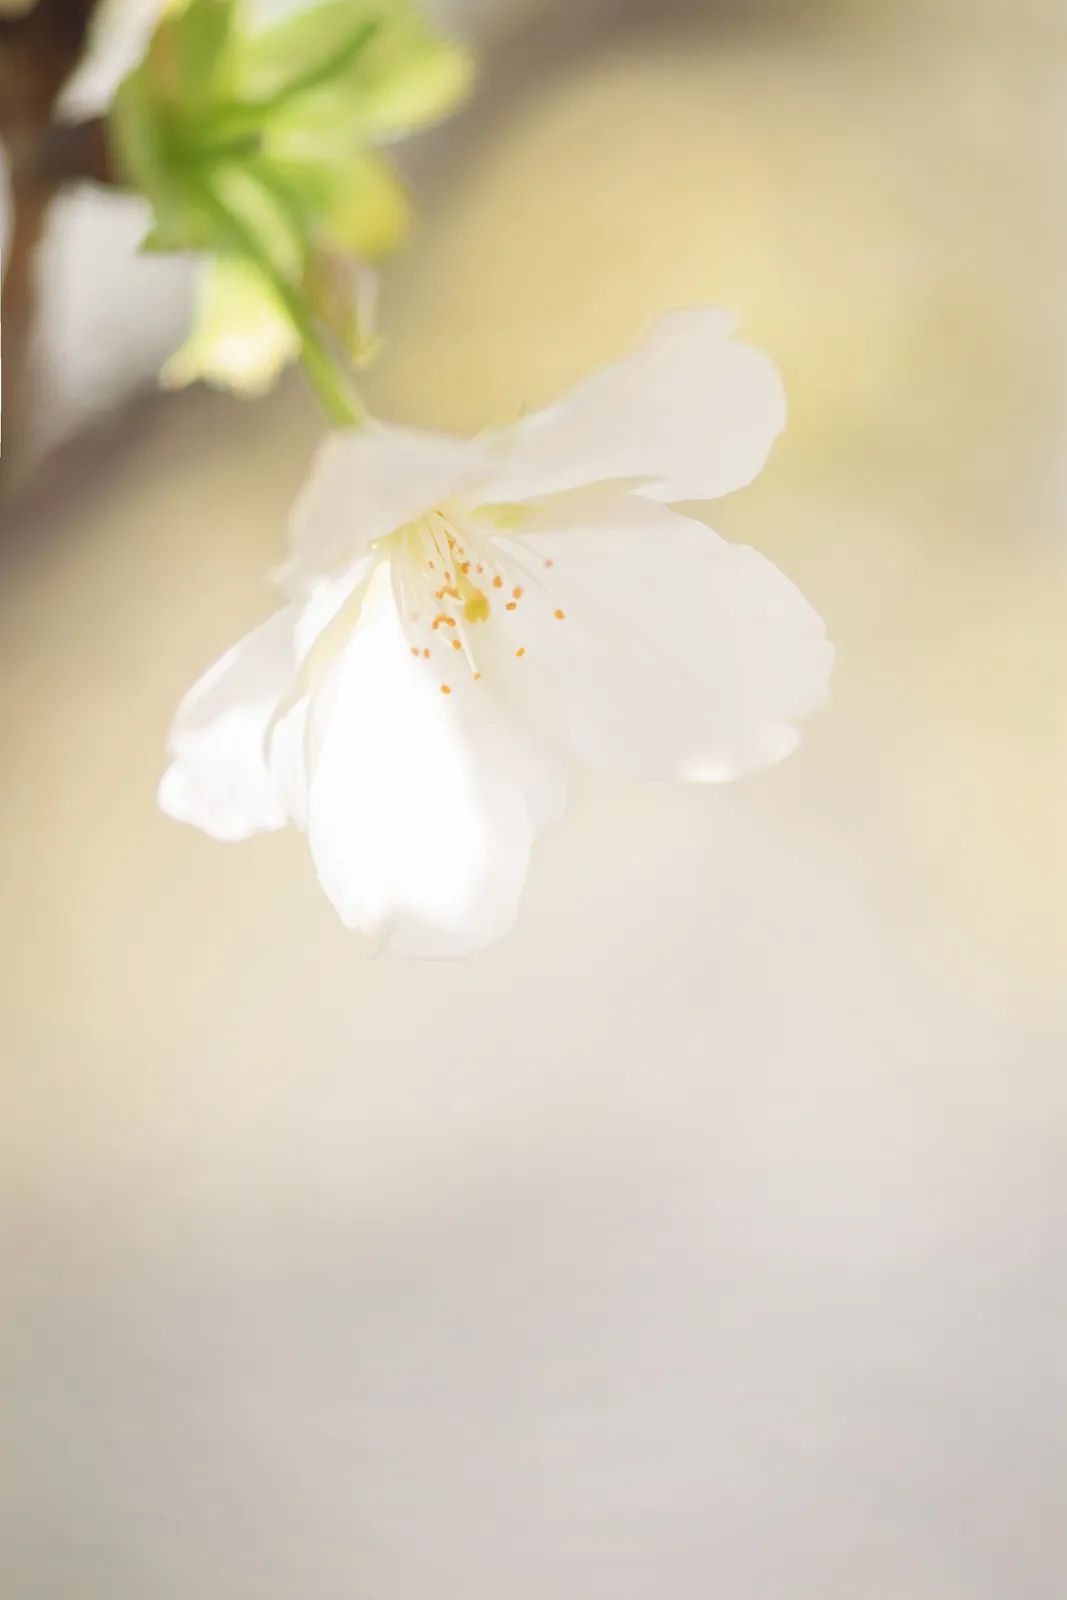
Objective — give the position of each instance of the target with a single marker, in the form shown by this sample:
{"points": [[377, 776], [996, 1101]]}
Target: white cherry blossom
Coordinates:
{"points": [[465, 617]]}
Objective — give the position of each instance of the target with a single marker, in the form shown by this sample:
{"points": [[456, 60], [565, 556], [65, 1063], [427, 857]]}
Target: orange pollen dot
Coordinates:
{"points": [[448, 577], [426, 655], [511, 605], [456, 645], [446, 688], [479, 568], [464, 567], [560, 615], [549, 561], [521, 651], [498, 582], [477, 675], [449, 622], [414, 649], [516, 594], [432, 566]]}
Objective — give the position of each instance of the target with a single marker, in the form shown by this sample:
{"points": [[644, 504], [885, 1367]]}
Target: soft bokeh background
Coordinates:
{"points": [[709, 1236]]}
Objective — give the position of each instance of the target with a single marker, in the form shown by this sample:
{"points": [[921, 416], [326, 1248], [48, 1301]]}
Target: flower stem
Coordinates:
{"points": [[335, 395], [335, 392]]}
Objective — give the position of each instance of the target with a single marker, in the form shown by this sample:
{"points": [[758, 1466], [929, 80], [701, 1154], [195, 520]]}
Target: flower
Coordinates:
{"points": [[259, 148], [464, 617]]}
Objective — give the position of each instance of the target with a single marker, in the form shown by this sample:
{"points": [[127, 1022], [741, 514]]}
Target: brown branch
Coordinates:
{"points": [[18, 317], [38, 52]]}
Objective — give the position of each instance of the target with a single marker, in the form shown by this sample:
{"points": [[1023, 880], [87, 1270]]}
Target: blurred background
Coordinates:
{"points": [[708, 1236]]}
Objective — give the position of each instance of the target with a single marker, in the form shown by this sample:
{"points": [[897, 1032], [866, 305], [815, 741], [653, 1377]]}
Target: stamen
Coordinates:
{"points": [[438, 554]]}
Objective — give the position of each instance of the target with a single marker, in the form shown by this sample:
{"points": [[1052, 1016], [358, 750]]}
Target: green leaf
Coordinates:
{"points": [[278, 59], [368, 214], [356, 204], [354, 69], [257, 151], [204, 37]]}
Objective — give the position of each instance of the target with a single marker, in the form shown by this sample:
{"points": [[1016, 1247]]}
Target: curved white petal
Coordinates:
{"points": [[219, 778], [365, 483], [690, 410], [420, 813], [677, 654], [331, 607], [287, 756], [323, 624]]}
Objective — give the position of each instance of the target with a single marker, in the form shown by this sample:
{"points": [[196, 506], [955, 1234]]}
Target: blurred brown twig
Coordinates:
{"points": [[38, 52]]}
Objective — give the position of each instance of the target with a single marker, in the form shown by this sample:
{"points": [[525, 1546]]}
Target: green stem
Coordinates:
{"points": [[335, 393], [335, 396]]}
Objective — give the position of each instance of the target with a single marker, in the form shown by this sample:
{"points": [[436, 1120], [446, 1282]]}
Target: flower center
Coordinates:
{"points": [[450, 576], [447, 581]]}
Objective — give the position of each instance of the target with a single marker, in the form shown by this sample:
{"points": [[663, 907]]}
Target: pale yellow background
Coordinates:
{"points": [[706, 1238]]}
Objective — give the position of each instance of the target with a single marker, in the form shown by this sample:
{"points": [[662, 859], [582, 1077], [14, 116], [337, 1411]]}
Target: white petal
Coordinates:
{"points": [[690, 410], [332, 605], [287, 755], [420, 807], [364, 484], [324, 624], [678, 654], [219, 778]]}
